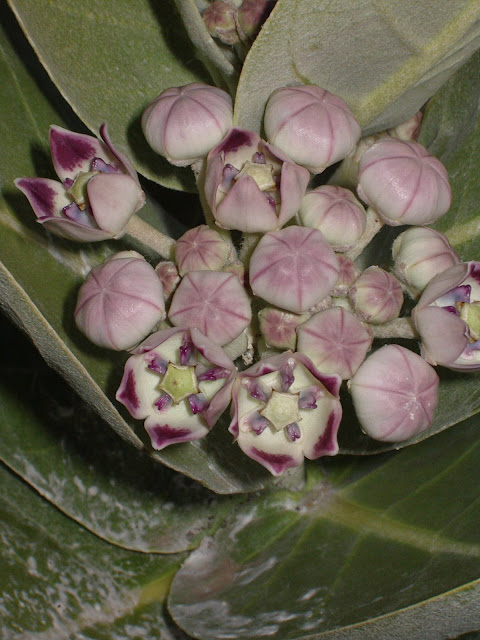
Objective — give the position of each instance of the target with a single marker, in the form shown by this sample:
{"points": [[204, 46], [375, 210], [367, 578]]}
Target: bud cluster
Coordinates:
{"points": [[284, 292]]}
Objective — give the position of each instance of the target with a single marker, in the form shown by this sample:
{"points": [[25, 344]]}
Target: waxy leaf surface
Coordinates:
{"points": [[385, 59]]}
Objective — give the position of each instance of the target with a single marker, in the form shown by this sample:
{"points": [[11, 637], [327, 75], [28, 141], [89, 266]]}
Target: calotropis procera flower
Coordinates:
{"points": [[419, 254], [120, 302], [447, 317], [376, 296], [404, 182], [283, 410], [184, 123], [252, 186], [314, 127], [201, 248], [179, 382], [169, 277], [395, 393], [98, 190], [293, 268], [335, 341], [335, 212], [213, 302], [278, 327]]}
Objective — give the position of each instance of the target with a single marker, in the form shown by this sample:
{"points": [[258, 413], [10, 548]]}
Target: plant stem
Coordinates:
{"points": [[399, 328], [373, 226], [151, 237]]}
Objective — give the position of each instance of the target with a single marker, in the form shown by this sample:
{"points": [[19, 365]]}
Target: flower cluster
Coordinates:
{"points": [[270, 319]]}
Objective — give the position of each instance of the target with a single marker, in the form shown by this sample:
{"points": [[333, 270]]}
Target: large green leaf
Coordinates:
{"points": [[61, 448], [30, 257], [385, 59], [385, 547], [59, 581], [109, 59]]}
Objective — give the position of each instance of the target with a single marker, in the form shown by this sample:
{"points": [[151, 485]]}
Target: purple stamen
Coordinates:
{"points": [[259, 158], [155, 363], [163, 402], [454, 296], [68, 183], [270, 199], [197, 402], [229, 173], [286, 374], [186, 349], [74, 213], [100, 165], [451, 309], [293, 431], [213, 374], [255, 390], [257, 423], [307, 399]]}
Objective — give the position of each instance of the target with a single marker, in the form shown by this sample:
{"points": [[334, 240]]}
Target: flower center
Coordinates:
{"points": [[281, 409], [78, 190], [470, 314], [261, 173], [179, 382]]}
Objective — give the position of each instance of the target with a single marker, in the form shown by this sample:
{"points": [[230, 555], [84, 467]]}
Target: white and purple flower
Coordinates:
{"points": [[179, 382], [283, 410], [98, 191]]}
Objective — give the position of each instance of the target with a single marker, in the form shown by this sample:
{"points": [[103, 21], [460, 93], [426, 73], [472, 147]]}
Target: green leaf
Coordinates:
{"points": [[109, 59], [384, 59], [46, 312], [61, 448], [59, 581], [385, 547]]}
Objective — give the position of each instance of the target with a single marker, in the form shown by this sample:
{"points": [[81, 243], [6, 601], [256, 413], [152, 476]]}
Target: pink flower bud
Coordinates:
{"points": [[213, 302], [179, 382], [120, 302], [184, 123], [220, 18], [98, 190], [278, 327], [293, 268], [335, 212], [420, 253], [395, 394], [314, 127], [252, 186], [377, 296], [447, 317], [346, 277], [283, 410], [169, 277], [252, 14], [335, 341], [404, 183], [200, 249]]}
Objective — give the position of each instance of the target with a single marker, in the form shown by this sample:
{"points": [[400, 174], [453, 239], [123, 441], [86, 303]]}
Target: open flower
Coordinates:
{"points": [[251, 185], [447, 317], [98, 190], [283, 410], [179, 382]]}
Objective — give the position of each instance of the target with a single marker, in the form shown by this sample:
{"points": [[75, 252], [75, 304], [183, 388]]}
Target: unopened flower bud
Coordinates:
{"points": [[213, 302], [220, 19], [199, 249], [404, 182], [335, 212], [184, 123], [314, 127], [120, 302], [395, 394], [169, 277], [447, 317], [279, 327], [335, 341], [237, 268], [252, 14], [420, 253], [346, 277], [293, 268], [377, 296]]}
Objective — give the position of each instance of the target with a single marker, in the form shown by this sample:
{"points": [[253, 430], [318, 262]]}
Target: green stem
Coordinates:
{"points": [[151, 237]]}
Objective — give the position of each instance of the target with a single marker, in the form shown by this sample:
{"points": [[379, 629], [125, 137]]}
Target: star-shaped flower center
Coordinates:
{"points": [[281, 409], [179, 382]]}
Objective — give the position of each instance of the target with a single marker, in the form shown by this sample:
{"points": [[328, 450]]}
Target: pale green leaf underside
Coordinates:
{"points": [[39, 280], [109, 59], [382, 548], [385, 59], [59, 581], [60, 447]]}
